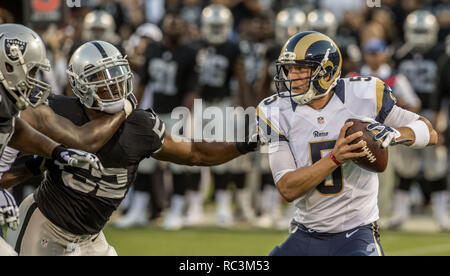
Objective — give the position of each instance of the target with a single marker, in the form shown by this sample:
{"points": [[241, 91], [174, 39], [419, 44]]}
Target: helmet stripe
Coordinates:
{"points": [[100, 49], [306, 42]]}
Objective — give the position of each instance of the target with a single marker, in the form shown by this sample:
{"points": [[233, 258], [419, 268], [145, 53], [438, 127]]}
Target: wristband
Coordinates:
{"points": [[421, 132], [334, 159]]}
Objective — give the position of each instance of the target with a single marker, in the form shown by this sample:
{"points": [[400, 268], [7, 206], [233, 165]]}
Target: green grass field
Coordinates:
{"points": [[154, 241]]}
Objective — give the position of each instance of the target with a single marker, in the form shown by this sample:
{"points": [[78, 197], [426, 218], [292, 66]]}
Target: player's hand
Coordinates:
{"points": [[63, 156], [387, 135], [131, 104], [9, 212], [252, 142], [342, 150]]}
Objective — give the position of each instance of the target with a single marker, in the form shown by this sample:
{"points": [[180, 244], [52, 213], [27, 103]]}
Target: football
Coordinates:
{"points": [[377, 157]]}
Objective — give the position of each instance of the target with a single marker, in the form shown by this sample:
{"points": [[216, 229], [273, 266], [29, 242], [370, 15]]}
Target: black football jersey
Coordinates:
{"points": [[421, 69], [81, 199], [215, 66], [170, 75], [8, 112], [253, 54]]}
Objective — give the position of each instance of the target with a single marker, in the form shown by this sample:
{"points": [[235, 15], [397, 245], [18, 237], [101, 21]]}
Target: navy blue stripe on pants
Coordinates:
{"points": [[359, 241]]}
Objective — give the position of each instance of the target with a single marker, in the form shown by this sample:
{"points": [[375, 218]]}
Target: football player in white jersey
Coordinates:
{"points": [[304, 124]]}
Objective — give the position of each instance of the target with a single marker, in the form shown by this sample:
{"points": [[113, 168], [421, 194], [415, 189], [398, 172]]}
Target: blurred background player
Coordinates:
{"points": [[417, 60], [168, 79], [287, 23], [219, 60]]}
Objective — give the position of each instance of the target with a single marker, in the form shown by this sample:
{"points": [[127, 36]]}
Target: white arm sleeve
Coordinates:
{"points": [[404, 91], [399, 117], [7, 159], [281, 161]]}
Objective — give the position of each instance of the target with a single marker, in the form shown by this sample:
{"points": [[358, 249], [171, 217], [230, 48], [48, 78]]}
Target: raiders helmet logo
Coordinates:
{"points": [[22, 46]]}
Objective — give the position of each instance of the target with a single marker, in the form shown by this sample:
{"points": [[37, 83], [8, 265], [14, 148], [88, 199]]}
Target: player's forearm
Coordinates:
{"points": [[28, 140], [95, 134], [89, 137], [297, 183], [212, 153], [15, 176], [407, 133]]}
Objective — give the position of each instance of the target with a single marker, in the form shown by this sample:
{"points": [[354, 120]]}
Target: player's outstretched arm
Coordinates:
{"points": [[28, 140], [15, 176], [200, 153], [89, 137], [297, 183]]}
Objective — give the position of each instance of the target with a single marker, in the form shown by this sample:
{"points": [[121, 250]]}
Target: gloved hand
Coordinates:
{"points": [[131, 104], [63, 156], [387, 135], [251, 143], [9, 212]]}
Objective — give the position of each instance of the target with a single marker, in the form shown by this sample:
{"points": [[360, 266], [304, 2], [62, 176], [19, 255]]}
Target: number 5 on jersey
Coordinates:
{"points": [[335, 185]]}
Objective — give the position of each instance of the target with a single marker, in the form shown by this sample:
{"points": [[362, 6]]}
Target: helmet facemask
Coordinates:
{"points": [[318, 72], [21, 79], [104, 87]]}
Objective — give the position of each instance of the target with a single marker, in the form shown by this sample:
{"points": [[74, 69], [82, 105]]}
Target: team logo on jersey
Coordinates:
{"points": [[10, 53], [44, 243], [321, 120], [318, 134]]}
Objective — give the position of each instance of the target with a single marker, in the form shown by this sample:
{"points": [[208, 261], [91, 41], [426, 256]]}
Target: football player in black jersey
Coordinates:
{"points": [[66, 214], [23, 57], [167, 80], [218, 61], [417, 60]]}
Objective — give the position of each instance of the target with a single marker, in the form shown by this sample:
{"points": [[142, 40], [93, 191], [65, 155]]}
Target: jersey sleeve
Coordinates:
{"points": [[385, 101], [268, 120], [146, 131]]}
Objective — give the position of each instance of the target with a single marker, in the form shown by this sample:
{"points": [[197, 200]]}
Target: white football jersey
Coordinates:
{"points": [[348, 197]]}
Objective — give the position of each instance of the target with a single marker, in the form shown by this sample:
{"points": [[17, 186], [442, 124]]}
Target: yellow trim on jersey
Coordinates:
{"points": [[380, 92], [263, 117], [375, 240]]}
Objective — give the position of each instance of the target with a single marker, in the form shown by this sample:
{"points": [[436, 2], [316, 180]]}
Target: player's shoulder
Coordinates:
{"points": [[362, 87], [142, 118], [280, 102]]}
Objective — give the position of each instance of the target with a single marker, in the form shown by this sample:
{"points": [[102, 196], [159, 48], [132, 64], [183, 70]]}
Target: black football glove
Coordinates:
{"points": [[251, 143], [63, 156]]}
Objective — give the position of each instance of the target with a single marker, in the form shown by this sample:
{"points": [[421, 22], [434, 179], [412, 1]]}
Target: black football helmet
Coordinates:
{"points": [[316, 51]]}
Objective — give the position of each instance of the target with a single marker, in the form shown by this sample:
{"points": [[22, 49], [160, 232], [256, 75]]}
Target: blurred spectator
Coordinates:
{"points": [[417, 60], [167, 77]]}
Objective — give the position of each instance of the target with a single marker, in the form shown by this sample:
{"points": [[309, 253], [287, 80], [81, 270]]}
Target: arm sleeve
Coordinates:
{"points": [[385, 100], [146, 130], [281, 161], [404, 91], [268, 122], [399, 117]]}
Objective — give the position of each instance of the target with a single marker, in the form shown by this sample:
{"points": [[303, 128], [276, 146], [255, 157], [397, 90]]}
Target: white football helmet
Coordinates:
{"points": [[289, 22], [99, 25], [216, 23], [323, 21], [22, 57], [100, 76], [421, 29]]}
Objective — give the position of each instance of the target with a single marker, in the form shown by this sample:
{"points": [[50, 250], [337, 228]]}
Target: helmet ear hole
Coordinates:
{"points": [[9, 67]]}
